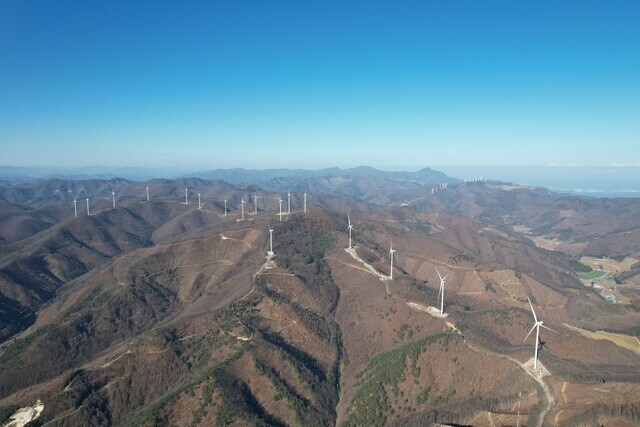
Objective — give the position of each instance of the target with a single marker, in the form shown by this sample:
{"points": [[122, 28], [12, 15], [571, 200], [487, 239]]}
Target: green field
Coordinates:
{"points": [[594, 274]]}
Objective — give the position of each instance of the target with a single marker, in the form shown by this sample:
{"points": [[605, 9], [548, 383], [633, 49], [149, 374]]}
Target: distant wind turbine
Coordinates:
{"points": [[242, 205], [113, 197], [87, 206], [349, 227], [288, 202], [391, 252], [536, 325], [280, 208], [75, 208], [443, 280], [305, 202], [271, 240], [199, 204], [255, 204], [186, 196], [225, 207], [147, 194]]}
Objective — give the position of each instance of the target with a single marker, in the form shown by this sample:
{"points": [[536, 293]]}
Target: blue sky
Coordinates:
{"points": [[395, 85]]}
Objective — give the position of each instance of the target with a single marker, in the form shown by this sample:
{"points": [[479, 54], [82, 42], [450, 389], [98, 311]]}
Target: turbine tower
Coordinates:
{"points": [[225, 207], [186, 198], [271, 240], [350, 227], [255, 204], [536, 325], [288, 202], [391, 252], [199, 204], [280, 208], [305, 202], [75, 207], [87, 206], [147, 194], [242, 205], [443, 280], [113, 197]]}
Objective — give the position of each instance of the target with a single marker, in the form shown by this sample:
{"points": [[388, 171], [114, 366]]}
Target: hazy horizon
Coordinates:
{"points": [[593, 181]]}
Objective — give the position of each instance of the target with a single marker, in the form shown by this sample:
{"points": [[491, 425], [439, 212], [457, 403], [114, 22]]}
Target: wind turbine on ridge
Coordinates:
{"points": [[147, 194], [225, 207], [88, 206], [391, 252], [75, 208], [288, 202], [186, 198], [305, 202], [242, 205], [199, 204], [443, 280], [113, 197], [271, 241], [280, 208], [349, 227], [536, 325]]}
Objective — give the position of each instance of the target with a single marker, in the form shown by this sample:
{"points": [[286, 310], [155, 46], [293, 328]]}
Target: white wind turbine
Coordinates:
{"points": [[349, 227], [113, 198], [242, 206], [225, 207], [271, 241], [199, 204], [255, 204], [87, 206], [536, 325], [280, 208], [305, 202], [443, 280], [75, 207], [147, 194], [391, 252], [288, 202], [186, 197]]}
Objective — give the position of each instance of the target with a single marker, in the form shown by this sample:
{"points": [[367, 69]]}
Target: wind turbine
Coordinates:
{"points": [[186, 198], [536, 325], [443, 280], [280, 208], [242, 205], [305, 202], [147, 194], [75, 208], [113, 197], [225, 207], [271, 240], [350, 227], [288, 202], [199, 204], [391, 252], [255, 204], [87, 206]]}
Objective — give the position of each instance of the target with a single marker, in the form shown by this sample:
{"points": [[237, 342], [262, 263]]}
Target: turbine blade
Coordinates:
{"points": [[549, 329], [532, 310], [438, 273], [532, 328]]}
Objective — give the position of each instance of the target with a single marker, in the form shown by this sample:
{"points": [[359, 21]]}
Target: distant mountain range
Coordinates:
{"points": [[232, 176]]}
